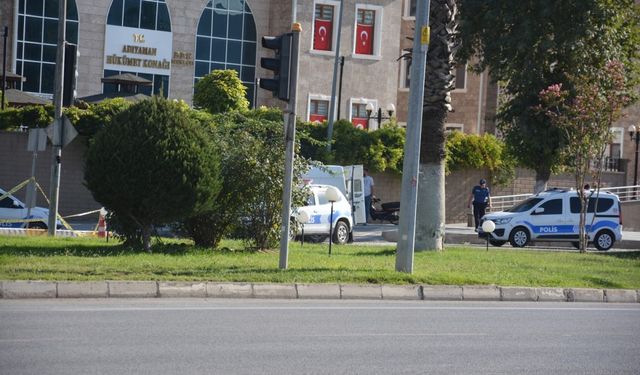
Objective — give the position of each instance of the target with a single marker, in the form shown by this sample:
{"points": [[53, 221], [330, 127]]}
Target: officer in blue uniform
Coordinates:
{"points": [[481, 198]]}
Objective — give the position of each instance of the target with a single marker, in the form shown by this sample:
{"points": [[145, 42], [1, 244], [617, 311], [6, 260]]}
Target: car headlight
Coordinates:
{"points": [[502, 221]]}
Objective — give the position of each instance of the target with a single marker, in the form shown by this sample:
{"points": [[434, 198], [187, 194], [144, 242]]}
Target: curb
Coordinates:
{"points": [[151, 289]]}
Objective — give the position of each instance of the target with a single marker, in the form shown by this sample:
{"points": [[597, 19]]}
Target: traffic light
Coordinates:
{"points": [[280, 84], [70, 72]]}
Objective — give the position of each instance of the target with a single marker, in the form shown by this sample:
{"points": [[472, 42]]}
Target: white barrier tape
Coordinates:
{"points": [[16, 188], [82, 214], [35, 232], [19, 220]]}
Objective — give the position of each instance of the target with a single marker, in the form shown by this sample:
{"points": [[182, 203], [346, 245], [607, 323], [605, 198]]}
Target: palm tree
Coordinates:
{"points": [[439, 82]]}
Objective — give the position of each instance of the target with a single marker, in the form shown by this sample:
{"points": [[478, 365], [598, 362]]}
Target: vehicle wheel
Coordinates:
{"points": [[293, 230], [497, 242], [604, 240], [519, 237], [341, 233], [38, 225], [315, 238]]}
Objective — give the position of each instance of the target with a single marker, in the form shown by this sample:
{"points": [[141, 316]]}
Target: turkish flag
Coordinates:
{"points": [[322, 35], [317, 118], [364, 39], [360, 123]]}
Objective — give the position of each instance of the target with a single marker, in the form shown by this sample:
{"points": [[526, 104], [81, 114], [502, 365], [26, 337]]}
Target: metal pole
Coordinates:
{"points": [[332, 105], [411, 166], [331, 228], [4, 64], [379, 117], [635, 170], [54, 187], [340, 85], [290, 134]]}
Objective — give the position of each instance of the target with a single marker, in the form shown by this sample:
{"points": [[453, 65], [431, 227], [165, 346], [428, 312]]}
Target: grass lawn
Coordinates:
{"points": [[41, 258]]}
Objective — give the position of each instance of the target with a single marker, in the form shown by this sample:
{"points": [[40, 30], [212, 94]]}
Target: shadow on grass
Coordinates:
{"points": [[599, 282], [386, 252], [91, 250], [631, 255]]}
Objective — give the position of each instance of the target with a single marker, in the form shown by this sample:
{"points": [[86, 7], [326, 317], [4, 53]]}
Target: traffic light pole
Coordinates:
{"points": [[54, 186], [411, 165], [290, 136]]}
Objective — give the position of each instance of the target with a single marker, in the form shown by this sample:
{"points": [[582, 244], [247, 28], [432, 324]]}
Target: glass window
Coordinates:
{"points": [[603, 204], [131, 13], [38, 25], [148, 15], [551, 207], [412, 8], [226, 39], [6, 203], [359, 110], [365, 31], [525, 205], [319, 107], [460, 77], [115, 13], [164, 21]]}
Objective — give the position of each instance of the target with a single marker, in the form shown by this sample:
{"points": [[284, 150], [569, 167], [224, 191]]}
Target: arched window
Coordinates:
{"points": [[140, 14], [37, 42], [226, 39]]}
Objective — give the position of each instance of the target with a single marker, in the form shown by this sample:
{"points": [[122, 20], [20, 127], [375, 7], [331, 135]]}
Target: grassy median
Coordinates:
{"points": [[41, 258]]}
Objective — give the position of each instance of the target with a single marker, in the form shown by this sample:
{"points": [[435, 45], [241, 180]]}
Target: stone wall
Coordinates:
{"points": [[15, 167]]}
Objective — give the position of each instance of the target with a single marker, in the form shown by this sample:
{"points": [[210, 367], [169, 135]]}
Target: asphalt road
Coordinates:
{"points": [[192, 336]]}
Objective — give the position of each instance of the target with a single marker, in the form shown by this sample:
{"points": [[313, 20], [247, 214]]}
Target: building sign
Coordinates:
{"points": [[182, 58], [138, 50]]}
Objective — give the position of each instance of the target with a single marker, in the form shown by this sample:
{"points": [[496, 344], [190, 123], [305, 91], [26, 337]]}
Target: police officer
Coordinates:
{"points": [[481, 198]]}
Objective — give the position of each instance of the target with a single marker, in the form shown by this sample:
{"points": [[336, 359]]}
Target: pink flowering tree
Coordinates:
{"points": [[585, 115]]}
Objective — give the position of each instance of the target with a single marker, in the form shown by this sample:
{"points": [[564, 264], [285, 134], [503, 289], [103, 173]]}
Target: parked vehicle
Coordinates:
{"points": [[389, 211], [11, 208], [318, 209], [554, 215]]}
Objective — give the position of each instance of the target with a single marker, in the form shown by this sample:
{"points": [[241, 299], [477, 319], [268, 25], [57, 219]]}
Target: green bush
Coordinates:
{"points": [[250, 201], [151, 165], [220, 91], [31, 116]]}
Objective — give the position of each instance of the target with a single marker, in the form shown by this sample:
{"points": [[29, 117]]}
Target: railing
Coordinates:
{"points": [[625, 193], [610, 164]]}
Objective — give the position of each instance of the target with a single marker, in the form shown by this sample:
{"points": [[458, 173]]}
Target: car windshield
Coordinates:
{"points": [[525, 205]]}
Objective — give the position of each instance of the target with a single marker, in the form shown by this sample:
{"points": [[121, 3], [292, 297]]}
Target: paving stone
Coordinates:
{"points": [[275, 291], [442, 292], [87, 289], [319, 291], [182, 289], [551, 294], [365, 291], [133, 289], [229, 290], [480, 293], [408, 292], [585, 295], [29, 289], [621, 295], [518, 294]]}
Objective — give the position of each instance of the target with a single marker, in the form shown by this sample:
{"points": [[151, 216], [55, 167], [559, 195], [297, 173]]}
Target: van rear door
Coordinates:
{"points": [[355, 188]]}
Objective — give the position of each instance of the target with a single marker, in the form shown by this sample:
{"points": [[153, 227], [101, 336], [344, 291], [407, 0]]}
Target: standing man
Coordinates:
{"points": [[481, 200], [368, 194]]}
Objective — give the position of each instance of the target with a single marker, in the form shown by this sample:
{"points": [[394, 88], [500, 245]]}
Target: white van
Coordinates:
{"points": [[554, 215], [11, 208]]}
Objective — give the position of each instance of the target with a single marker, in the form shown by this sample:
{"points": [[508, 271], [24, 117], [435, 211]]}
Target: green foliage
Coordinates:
{"points": [[252, 147], [470, 151], [89, 120], [380, 150], [31, 116], [152, 165], [221, 91], [528, 46]]}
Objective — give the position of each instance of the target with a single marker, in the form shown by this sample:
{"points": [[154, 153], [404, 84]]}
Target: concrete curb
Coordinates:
{"points": [[151, 289]]}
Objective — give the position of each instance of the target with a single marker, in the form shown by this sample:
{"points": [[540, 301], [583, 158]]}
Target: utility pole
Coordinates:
{"points": [[54, 187], [4, 64], [411, 166], [332, 105], [290, 137], [340, 85]]}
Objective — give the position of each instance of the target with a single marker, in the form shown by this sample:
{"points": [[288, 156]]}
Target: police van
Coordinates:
{"points": [[13, 214], [554, 215]]}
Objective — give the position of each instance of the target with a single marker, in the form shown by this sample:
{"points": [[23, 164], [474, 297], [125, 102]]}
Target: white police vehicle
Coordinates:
{"points": [[554, 215], [318, 210], [11, 208]]}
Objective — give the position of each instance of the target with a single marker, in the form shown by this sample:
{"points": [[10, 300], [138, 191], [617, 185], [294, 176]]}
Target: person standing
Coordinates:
{"points": [[481, 198], [368, 194]]}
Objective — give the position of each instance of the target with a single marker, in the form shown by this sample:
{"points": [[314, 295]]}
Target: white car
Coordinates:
{"points": [[318, 211], [11, 208], [554, 215]]}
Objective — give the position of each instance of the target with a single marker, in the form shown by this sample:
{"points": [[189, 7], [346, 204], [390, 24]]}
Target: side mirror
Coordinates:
{"points": [[538, 210]]}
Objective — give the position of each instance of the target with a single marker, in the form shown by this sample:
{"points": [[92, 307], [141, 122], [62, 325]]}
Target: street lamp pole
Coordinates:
{"points": [[390, 110]]}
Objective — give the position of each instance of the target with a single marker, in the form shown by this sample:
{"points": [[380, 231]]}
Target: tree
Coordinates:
{"points": [[584, 116], [221, 91], [152, 166], [438, 85], [529, 45]]}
